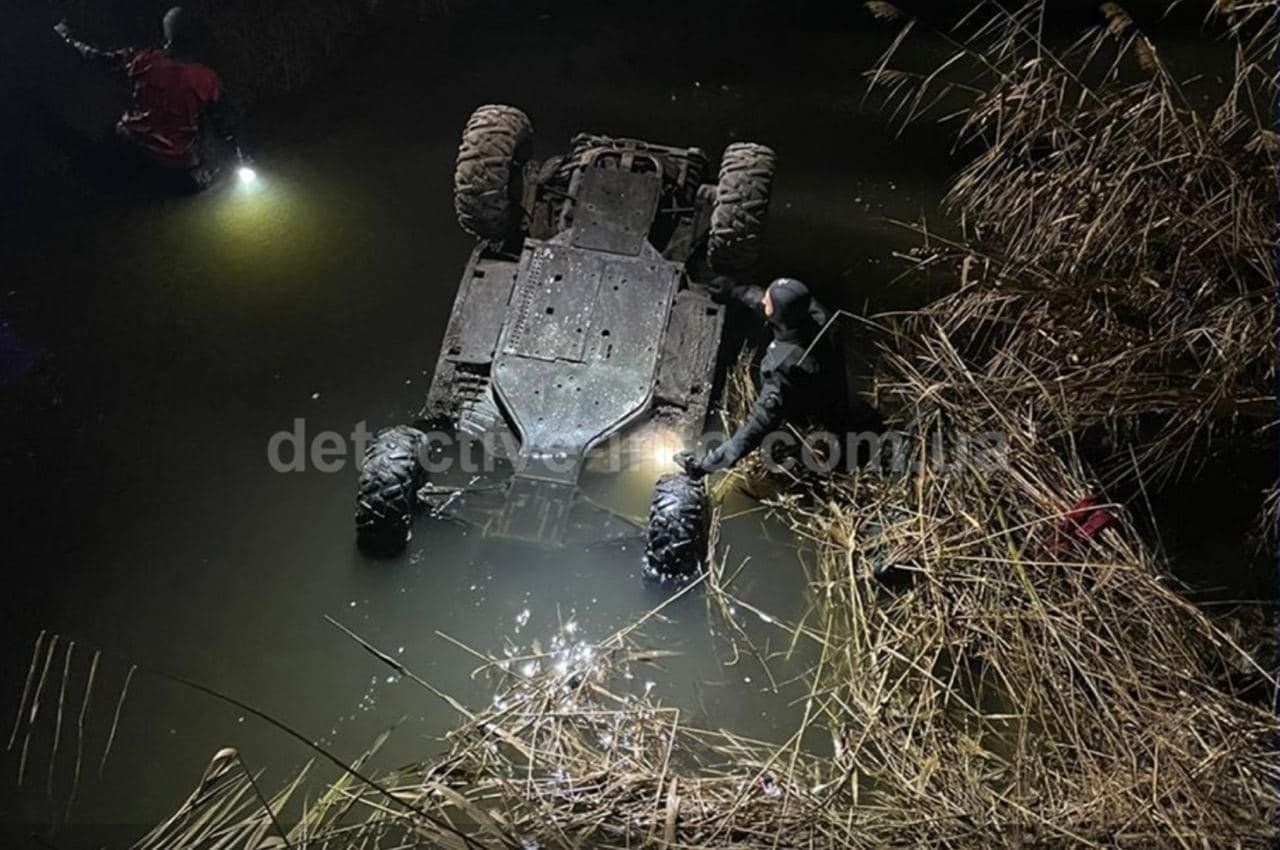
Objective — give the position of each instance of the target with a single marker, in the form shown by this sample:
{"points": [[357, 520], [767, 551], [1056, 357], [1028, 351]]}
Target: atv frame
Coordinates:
{"points": [[579, 313]]}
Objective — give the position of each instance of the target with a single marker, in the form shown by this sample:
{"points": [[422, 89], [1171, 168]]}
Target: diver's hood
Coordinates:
{"points": [[791, 303], [183, 31]]}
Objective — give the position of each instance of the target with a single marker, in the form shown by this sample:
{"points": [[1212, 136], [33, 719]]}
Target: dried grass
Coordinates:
{"points": [[1029, 688], [1026, 685], [1017, 692], [1118, 243]]}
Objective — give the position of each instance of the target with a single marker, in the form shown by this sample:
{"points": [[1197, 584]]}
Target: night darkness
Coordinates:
{"points": [[153, 343]]}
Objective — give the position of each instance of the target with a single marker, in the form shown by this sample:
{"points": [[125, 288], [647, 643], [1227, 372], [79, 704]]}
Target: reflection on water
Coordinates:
{"points": [[621, 475], [265, 239], [185, 333]]}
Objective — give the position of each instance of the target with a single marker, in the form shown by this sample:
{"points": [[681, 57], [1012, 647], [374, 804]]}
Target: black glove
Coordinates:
{"points": [[721, 287], [691, 464], [699, 467]]}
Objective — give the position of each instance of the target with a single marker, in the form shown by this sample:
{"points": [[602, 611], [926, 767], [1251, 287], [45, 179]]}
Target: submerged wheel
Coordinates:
{"points": [[679, 529], [486, 192], [741, 208], [388, 488]]}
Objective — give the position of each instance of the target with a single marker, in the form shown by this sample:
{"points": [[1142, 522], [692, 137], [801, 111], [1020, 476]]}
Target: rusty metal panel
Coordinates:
{"points": [[689, 353], [473, 331], [615, 209], [471, 337], [563, 405], [552, 304]]}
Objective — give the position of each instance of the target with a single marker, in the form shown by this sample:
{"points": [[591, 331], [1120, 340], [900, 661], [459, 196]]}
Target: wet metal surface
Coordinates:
{"points": [[177, 337], [580, 353], [614, 210]]}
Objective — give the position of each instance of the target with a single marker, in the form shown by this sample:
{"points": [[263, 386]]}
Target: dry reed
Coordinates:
{"points": [[1117, 247], [1033, 680]]}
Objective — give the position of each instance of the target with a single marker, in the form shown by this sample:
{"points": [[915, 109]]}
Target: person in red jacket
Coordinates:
{"points": [[178, 106]]}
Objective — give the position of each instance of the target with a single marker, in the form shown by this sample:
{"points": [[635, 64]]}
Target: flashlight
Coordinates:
{"points": [[247, 174]]}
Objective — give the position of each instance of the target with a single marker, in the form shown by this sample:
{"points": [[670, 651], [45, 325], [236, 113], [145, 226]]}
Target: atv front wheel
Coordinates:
{"points": [[486, 189], [741, 207], [388, 489], [679, 529]]}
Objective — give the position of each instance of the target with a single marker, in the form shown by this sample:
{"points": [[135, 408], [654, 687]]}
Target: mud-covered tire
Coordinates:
{"points": [[679, 529], [486, 190], [741, 207], [387, 494]]}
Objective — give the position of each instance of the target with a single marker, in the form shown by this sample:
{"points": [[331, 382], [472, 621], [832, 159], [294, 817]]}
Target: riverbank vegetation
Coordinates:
{"points": [[1032, 675], [1116, 261]]}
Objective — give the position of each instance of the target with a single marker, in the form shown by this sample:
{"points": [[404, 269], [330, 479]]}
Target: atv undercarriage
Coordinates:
{"points": [[579, 314]]}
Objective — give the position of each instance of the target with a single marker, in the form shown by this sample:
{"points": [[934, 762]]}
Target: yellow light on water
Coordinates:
{"points": [[269, 236], [663, 446]]}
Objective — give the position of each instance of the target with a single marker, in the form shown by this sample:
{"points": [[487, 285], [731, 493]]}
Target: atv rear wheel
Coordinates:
{"points": [[388, 489], [741, 207], [486, 186], [679, 529]]}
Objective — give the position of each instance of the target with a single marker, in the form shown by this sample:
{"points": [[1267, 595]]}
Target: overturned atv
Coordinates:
{"points": [[579, 314]]}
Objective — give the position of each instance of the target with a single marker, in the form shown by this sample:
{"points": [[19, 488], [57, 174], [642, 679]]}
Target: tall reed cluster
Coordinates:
{"points": [[1116, 259], [1023, 672]]}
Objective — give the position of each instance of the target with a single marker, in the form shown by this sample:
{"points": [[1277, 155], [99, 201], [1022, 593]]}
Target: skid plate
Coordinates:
{"points": [[579, 355]]}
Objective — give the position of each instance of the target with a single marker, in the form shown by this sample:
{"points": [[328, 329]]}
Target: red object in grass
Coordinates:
{"points": [[1083, 522]]}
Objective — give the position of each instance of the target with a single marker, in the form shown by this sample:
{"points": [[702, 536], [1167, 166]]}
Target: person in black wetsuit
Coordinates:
{"points": [[801, 377]]}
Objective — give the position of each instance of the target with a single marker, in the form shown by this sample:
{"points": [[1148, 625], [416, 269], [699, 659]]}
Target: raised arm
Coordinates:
{"points": [[114, 60]]}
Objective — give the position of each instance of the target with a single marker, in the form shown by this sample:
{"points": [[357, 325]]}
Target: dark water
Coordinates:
{"points": [[152, 348], [156, 346]]}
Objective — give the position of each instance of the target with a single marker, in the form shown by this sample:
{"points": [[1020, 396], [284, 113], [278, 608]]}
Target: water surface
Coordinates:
{"points": [[160, 344]]}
